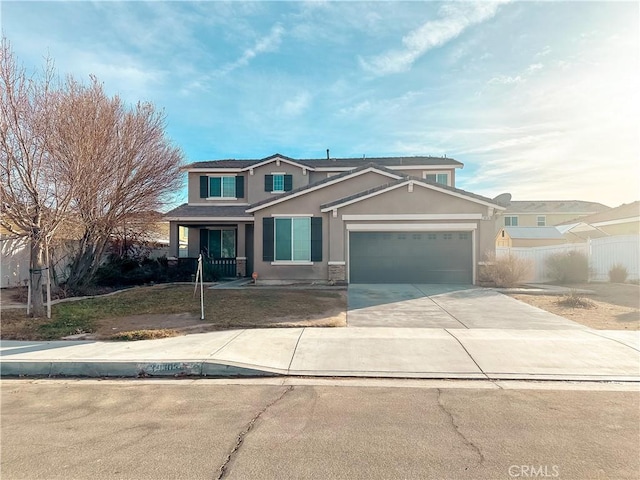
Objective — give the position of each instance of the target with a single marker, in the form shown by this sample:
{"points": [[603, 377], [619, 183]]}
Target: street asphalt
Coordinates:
{"points": [[429, 332]]}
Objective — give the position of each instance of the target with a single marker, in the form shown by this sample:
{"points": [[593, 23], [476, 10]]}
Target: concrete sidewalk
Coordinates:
{"points": [[354, 352]]}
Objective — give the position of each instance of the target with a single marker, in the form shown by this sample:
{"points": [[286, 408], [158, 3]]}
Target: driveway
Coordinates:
{"points": [[445, 306]]}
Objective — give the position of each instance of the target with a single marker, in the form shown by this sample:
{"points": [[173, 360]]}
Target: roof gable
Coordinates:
{"points": [[277, 158], [456, 192], [325, 183]]}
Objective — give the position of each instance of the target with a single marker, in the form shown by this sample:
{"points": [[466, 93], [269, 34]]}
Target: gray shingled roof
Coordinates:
{"points": [[626, 210], [333, 162], [555, 206], [208, 211], [402, 180], [327, 180]]}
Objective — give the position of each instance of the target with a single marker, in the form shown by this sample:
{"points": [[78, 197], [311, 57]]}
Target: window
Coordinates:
{"points": [[447, 236], [463, 236], [278, 183], [221, 186], [416, 236], [292, 239], [510, 221], [441, 178], [218, 243], [431, 236], [542, 221], [183, 241]]}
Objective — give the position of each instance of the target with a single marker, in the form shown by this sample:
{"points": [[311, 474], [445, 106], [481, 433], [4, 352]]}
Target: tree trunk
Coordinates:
{"points": [[37, 276], [86, 262]]}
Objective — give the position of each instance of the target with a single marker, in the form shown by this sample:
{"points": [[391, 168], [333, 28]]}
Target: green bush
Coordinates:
{"points": [[569, 267], [618, 274]]}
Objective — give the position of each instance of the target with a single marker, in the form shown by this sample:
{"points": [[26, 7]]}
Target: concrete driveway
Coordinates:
{"points": [[445, 306]]}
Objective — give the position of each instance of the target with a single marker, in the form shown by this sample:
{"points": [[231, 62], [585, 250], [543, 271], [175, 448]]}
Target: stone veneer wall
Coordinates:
{"points": [[241, 267], [337, 273]]}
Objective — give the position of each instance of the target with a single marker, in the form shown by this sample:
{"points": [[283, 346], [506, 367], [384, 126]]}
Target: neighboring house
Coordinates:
{"points": [[547, 213], [622, 220], [529, 237], [375, 220]]}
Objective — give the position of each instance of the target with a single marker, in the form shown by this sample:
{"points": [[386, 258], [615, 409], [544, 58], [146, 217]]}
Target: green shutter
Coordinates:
{"points": [[267, 239], [204, 186], [288, 183], [239, 186], [204, 240], [268, 183], [215, 187], [316, 239]]}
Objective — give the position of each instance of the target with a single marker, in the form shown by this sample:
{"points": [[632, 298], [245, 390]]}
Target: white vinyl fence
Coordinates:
{"points": [[603, 253]]}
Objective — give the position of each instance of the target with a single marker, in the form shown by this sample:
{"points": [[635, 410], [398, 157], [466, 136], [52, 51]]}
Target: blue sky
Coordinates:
{"points": [[537, 99]]}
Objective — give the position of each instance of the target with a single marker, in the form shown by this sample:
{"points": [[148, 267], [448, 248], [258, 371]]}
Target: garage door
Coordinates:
{"points": [[410, 257]]}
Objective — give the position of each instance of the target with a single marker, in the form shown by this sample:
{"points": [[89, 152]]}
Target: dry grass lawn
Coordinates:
{"points": [[614, 306], [175, 308]]}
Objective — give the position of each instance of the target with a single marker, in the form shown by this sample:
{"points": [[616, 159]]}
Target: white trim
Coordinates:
{"points": [[231, 199], [390, 167], [284, 262], [416, 216], [415, 182], [616, 222], [209, 219], [292, 215], [278, 173], [336, 263], [411, 227], [241, 258], [473, 257], [317, 187], [278, 160]]}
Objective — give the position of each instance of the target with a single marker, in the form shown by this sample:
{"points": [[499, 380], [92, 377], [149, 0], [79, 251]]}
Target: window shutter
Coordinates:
{"points": [[316, 239], [204, 240], [288, 183], [267, 239], [239, 187], [268, 183], [204, 186]]}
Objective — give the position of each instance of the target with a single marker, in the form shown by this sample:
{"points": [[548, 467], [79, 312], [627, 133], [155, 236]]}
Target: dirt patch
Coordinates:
{"points": [[614, 306], [185, 323]]}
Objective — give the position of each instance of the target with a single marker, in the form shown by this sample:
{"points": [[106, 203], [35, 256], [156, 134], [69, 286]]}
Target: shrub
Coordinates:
{"points": [[506, 271], [134, 335], [569, 267], [618, 274], [575, 300]]}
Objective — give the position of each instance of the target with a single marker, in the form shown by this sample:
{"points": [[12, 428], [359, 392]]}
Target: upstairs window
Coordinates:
{"points": [[221, 186], [441, 178], [278, 183], [542, 221], [510, 221]]}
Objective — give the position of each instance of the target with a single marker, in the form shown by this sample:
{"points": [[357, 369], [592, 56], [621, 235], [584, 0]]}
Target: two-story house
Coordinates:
{"points": [[546, 213], [373, 220]]}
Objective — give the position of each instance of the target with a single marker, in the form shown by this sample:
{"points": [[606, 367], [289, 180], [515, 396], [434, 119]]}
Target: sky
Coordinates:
{"points": [[538, 99]]}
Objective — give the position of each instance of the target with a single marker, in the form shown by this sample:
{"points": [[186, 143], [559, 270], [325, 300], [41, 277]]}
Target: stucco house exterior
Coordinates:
{"points": [[529, 237], [355, 220], [545, 213]]}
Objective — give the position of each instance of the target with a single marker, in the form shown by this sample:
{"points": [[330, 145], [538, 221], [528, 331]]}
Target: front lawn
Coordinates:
{"points": [[174, 308]]}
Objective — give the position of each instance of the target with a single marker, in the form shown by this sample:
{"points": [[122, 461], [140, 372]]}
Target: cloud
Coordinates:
{"points": [[270, 43], [455, 19], [296, 105], [505, 80]]}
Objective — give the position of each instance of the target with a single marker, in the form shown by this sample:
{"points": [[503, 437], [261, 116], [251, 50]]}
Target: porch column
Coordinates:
{"points": [[241, 252], [174, 241]]}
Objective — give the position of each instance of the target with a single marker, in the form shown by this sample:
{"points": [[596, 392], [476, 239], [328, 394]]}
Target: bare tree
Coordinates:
{"points": [[118, 163], [34, 200]]}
